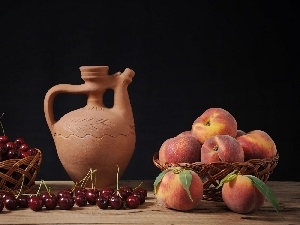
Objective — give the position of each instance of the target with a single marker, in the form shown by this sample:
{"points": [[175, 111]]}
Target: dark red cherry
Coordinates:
{"points": [[23, 201], [140, 195], [102, 202], [132, 201], [24, 154], [127, 189], [143, 190], [3, 149], [32, 151], [19, 141], [35, 202], [106, 192], [81, 199], [4, 139], [116, 202], [13, 154], [67, 192], [7, 194], [10, 202], [10, 145], [92, 194], [50, 201], [79, 190], [66, 202], [24, 147]]}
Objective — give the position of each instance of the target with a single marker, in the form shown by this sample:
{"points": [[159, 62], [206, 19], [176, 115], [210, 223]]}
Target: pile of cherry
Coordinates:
{"points": [[125, 197], [15, 149]]}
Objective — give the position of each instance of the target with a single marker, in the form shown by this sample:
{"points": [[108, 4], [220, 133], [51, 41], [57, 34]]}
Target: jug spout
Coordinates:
{"points": [[121, 96]]}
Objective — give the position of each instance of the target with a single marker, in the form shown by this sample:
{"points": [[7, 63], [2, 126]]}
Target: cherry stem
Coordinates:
{"points": [[2, 125], [38, 191], [23, 178], [139, 185]]}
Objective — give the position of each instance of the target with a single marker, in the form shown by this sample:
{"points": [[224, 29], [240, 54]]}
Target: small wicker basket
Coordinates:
{"points": [[211, 174], [20, 173]]}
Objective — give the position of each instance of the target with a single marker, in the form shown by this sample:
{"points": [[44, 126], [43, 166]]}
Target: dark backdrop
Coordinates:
{"points": [[188, 56]]}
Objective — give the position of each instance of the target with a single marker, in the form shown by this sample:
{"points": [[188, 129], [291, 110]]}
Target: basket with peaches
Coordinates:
{"points": [[215, 148]]}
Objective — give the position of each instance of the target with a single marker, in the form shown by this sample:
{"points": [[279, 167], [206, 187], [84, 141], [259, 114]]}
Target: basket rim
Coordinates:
{"points": [[158, 162]]}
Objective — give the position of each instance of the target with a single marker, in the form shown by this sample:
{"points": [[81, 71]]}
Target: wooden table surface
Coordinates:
{"points": [[207, 212]]}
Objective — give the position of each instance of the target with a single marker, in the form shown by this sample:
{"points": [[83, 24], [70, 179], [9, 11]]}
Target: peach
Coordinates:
{"points": [[185, 148], [221, 148], [241, 196], [257, 144], [171, 193], [214, 121]]}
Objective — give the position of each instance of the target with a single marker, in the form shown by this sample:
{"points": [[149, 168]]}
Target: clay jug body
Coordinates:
{"points": [[94, 137]]}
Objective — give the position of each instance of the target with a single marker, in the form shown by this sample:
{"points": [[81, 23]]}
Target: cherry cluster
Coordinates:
{"points": [[65, 199], [16, 149]]}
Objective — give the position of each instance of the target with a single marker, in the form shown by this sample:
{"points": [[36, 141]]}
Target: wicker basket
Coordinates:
{"points": [[212, 173], [20, 173]]}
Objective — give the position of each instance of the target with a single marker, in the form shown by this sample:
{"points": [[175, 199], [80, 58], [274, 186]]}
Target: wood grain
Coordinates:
{"points": [[207, 212]]}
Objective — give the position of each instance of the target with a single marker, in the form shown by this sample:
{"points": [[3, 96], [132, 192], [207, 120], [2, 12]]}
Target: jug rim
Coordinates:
{"points": [[93, 68]]}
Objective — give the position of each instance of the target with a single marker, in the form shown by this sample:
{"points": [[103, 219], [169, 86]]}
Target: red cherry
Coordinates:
{"points": [[91, 195], [65, 193], [35, 202], [102, 202], [132, 201], [4, 139], [3, 149], [22, 201], [106, 192], [81, 199], [13, 154], [143, 190], [116, 202], [10, 145], [66, 202], [10, 202], [79, 190], [140, 195], [32, 151], [19, 141], [50, 201], [24, 147]]}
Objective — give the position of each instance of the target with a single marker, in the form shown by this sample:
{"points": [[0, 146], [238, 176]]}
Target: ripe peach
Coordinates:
{"points": [[221, 148], [214, 121], [257, 144], [171, 193], [185, 148], [241, 196]]}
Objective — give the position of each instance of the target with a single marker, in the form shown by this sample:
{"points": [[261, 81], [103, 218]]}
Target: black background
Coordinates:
{"points": [[188, 56]]}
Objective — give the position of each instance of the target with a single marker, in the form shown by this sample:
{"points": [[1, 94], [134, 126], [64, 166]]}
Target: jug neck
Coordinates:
{"points": [[96, 79], [93, 72]]}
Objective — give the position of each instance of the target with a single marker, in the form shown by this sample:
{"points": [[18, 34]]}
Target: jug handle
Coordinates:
{"points": [[50, 96]]}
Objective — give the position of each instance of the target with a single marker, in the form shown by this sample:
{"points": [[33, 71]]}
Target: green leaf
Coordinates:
{"points": [[185, 177], [227, 178], [159, 178], [266, 191]]}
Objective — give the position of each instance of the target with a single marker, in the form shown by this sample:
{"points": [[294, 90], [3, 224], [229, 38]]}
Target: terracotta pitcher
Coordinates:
{"points": [[95, 136]]}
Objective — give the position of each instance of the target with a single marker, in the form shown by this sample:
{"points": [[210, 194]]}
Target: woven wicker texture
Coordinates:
{"points": [[19, 173], [212, 173]]}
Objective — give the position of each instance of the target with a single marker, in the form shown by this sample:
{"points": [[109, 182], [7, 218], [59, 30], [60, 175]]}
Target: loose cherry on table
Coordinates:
{"points": [[66, 202]]}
